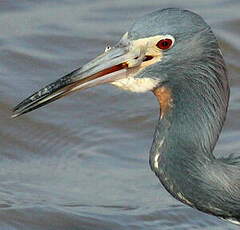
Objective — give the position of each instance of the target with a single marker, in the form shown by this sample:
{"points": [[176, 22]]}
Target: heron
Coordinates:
{"points": [[173, 53]]}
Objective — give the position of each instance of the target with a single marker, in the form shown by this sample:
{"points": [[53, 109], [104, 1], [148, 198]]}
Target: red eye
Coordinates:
{"points": [[164, 44]]}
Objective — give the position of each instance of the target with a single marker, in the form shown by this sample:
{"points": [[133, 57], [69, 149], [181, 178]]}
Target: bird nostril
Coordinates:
{"points": [[147, 58]]}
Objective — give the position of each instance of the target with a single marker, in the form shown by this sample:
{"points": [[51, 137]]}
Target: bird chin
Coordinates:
{"points": [[136, 85]]}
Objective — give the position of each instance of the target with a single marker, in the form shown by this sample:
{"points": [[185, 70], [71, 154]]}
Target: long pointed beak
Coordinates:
{"points": [[113, 64]]}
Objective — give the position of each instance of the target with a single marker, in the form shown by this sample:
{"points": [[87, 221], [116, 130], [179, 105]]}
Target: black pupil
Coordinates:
{"points": [[165, 43]]}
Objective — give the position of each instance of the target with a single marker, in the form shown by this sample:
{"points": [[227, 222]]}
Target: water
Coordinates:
{"points": [[82, 162]]}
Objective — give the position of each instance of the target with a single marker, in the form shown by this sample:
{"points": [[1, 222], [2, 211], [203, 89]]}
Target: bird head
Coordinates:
{"points": [[147, 57]]}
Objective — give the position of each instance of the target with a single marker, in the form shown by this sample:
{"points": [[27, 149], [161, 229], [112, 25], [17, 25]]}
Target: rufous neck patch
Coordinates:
{"points": [[164, 96]]}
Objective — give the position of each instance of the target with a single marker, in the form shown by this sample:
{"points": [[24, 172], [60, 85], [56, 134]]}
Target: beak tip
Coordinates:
{"points": [[15, 113]]}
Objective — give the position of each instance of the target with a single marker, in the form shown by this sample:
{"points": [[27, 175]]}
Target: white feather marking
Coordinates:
{"points": [[156, 160], [234, 221], [158, 155], [137, 85], [181, 197]]}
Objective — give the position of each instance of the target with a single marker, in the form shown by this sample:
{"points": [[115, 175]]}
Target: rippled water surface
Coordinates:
{"points": [[82, 163]]}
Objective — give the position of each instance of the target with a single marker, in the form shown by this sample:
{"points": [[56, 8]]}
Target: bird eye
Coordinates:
{"points": [[165, 44]]}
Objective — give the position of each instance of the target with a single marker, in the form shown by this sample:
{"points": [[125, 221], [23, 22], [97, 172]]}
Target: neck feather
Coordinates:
{"points": [[192, 112]]}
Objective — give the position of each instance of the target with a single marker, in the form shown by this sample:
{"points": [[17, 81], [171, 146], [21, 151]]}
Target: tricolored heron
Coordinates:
{"points": [[173, 53]]}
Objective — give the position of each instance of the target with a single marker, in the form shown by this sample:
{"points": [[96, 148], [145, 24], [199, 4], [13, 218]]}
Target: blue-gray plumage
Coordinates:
{"points": [[175, 54]]}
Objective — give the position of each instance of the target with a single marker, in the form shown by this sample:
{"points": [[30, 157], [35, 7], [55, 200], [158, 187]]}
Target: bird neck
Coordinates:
{"points": [[192, 113]]}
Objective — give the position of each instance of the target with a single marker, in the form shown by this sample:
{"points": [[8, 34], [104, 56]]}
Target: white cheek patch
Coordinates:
{"points": [[149, 48], [137, 85]]}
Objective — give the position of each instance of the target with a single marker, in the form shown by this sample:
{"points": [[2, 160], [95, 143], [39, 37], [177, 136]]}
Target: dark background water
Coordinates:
{"points": [[82, 163]]}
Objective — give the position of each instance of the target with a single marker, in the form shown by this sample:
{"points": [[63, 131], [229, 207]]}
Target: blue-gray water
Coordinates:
{"points": [[82, 163]]}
